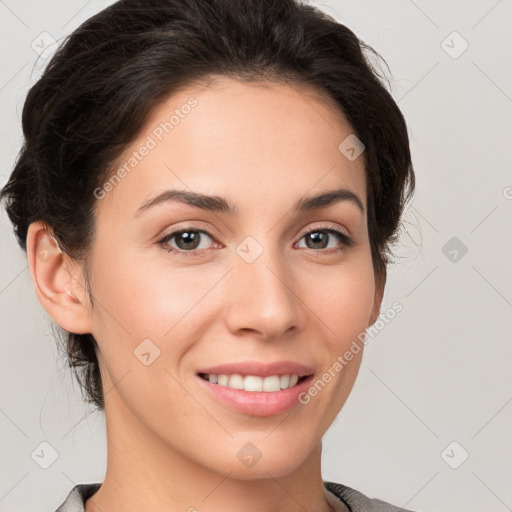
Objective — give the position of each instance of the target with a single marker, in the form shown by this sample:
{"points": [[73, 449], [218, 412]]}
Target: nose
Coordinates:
{"points": [[262, 297]]}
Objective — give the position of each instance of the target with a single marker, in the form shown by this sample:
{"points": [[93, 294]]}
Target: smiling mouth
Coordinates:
{"points": [[255, 383]]}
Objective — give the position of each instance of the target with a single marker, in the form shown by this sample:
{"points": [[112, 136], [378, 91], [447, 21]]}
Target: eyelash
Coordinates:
{"points": [[194, 253]]}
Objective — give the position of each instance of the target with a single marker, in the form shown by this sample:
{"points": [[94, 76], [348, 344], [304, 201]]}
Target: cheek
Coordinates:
{"points": [[342, 310], [150, 303], [140, 298], [342, 300], [342, 306], [148, 313]]}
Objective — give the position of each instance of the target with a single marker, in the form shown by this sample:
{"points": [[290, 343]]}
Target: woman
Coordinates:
{"points": [[207, 195]]}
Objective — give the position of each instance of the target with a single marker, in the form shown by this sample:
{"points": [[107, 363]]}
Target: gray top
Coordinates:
{"points": [[354, 500]]}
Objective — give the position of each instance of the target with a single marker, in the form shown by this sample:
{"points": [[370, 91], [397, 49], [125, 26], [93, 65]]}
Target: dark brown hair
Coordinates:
{"points": [[106, 78]]}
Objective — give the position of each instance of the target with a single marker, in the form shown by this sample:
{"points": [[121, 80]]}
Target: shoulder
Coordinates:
{"points": [[358, 502], [75, 501]]}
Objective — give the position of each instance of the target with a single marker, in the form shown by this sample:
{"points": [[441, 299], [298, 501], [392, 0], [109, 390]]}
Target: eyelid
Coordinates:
{"points": [[213, 234], [190, 225], [323, 227]]}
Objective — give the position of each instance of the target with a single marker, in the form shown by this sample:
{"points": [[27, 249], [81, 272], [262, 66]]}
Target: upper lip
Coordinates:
{"points": [[259, 369]]}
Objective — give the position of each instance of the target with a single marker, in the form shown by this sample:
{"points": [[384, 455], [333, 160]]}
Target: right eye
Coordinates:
{"points": [[187, 240]]}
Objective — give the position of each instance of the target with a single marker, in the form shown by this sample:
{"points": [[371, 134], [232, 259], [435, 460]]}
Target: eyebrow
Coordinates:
{"points": [[219, 204]]}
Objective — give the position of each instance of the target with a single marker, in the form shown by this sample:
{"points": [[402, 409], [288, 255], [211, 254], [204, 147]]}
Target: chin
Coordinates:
{"points": [[256, 459]]}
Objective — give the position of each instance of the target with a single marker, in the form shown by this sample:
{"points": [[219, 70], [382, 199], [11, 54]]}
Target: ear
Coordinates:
{"points": [[380, 282], [58, 281]]}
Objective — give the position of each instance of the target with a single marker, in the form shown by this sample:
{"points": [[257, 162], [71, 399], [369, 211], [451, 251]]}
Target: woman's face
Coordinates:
{"points": [[268, 285]]}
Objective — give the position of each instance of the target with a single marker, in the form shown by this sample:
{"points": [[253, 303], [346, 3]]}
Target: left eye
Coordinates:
{"points": [[319, 238]]}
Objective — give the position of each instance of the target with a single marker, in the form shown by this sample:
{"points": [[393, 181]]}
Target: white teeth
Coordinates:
{"points": [[254, 383], [236, 381], [272, 383]]}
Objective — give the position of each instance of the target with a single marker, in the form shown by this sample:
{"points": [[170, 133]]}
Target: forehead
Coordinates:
{"points": [[231, 137]]}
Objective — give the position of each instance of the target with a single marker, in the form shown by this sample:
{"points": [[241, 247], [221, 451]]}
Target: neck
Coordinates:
{"points": [[145, 473]]}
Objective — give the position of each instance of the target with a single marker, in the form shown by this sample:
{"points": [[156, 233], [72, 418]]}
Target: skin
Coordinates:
{"points": [[171, 446]]}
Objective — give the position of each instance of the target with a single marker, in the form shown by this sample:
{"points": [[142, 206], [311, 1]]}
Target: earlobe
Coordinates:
{"points": [[58, 281]]}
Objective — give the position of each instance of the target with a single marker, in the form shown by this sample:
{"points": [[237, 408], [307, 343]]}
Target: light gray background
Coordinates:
{"points": [[439, 372]]}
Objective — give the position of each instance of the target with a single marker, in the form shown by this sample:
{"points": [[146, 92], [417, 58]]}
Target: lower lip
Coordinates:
{"points": [[257, 403]]}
